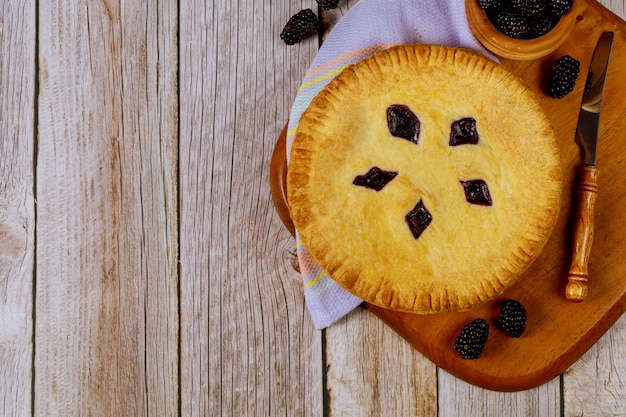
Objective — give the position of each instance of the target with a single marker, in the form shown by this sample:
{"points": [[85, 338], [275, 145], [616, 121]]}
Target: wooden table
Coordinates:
{"points": [[143, 269]]}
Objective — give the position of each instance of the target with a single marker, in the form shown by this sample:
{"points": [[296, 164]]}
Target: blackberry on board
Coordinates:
{"points": [[300, 26], [512, 318], [328, 4], [562, 77], [470, 343]]}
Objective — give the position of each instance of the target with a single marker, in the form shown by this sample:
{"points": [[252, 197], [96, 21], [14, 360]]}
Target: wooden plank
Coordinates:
{"points": [[17, 204], [458, 398], [595, 385], [106, 332], [247, 344], [371, 371], [616, 6]]}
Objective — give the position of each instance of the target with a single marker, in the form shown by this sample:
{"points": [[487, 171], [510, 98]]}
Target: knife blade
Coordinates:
{"points": [[587, 138]]}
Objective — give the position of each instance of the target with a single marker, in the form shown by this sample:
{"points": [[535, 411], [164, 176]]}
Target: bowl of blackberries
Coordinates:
{"points": [[521, 29]]}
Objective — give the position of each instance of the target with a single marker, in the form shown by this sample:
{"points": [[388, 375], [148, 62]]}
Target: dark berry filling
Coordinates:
{"points": [[418, 219], [463, 132], [477, 192], [375, 178], [403, 123]]}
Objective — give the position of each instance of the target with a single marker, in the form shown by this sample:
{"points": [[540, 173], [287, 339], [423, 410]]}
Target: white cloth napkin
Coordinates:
{"points": [[369, 26]]}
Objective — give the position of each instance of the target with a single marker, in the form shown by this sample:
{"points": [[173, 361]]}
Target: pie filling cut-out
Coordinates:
{"points": [[463, 132], [418, 219], [375, 178], [477, 192], [403, 123]]}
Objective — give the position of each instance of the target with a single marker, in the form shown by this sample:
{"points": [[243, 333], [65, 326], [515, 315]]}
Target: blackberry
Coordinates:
{"points": [[300, 26], [559, 8], [328, 4], [512, 318], [470, 343], [562, 77], [489, 4], [529, 9], [540, 26], [511, 24]]}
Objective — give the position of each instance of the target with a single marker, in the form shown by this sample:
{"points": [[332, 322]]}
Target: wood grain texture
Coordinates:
{"points": [[596, 384], [248, 347], [17, 204], [106, 331], [458, 398], [371, 371]]}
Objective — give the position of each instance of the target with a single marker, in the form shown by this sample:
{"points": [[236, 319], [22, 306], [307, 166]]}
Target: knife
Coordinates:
{"points": [[587, 138]]}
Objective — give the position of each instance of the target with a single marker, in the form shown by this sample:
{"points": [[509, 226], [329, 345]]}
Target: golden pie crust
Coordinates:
{"points": [[468, 253]]}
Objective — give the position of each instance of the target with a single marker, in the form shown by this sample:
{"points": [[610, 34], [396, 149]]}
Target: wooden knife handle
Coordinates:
{"points": [[582, 238]]}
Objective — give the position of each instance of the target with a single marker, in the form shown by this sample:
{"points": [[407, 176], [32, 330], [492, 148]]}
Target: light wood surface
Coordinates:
{"points": [[143, 268]]}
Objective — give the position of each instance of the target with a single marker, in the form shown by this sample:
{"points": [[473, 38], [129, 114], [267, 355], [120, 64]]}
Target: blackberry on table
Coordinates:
{"points": [[562, 77], [328, 4], [512, 318], [511, 24], [300, 26], [470, 343]]}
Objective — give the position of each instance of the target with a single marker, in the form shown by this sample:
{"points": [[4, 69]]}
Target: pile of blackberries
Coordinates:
{"points": [[525, 19]]}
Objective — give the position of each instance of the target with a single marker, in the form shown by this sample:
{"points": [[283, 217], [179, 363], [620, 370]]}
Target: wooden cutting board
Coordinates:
{"points": [[558, 332]]}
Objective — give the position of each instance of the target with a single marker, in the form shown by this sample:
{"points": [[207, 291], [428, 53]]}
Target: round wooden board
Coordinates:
{"points": [[558, 332]]}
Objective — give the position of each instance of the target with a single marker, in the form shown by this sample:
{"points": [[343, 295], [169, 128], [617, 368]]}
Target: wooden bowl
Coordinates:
{"points": [[519, 49]]}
